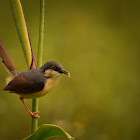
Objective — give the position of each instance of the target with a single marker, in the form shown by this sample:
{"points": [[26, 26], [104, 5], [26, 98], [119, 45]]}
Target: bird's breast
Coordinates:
{"points": [[50, 84]]}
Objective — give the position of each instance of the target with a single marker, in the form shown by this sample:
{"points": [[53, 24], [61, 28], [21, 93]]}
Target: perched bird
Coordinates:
{"points": [[33, 83]]}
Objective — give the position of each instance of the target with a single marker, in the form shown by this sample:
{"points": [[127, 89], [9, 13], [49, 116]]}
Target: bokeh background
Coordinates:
{"points": [[99, 43]]}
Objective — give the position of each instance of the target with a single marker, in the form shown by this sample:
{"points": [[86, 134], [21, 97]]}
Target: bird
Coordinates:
{"points": [[32, 83]]}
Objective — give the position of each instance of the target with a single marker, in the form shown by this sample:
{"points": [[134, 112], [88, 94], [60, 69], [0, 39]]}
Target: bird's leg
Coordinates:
{"points": [[31, 113]]}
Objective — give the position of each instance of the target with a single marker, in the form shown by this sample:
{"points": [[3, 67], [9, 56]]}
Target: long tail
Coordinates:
{"points": [[6, 59]]}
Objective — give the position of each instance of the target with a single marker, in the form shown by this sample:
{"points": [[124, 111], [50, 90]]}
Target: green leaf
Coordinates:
{"points": [[47, 131], [22, 30]]}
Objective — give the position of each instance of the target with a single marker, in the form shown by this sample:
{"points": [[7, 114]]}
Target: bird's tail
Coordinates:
{"points": [[6, 59]]}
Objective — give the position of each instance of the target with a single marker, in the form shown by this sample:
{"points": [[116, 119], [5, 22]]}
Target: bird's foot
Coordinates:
{"points": [[33, 114]]}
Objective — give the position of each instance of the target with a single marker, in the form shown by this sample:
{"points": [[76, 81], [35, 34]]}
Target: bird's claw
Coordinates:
{"points": [[33, 114]]}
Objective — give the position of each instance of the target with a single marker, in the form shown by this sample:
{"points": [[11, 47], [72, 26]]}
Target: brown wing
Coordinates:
{"points": [[23, 85], [6, 59]]}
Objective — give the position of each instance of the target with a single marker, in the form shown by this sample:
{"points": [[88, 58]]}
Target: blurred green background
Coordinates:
{"points": [[99, 43]]}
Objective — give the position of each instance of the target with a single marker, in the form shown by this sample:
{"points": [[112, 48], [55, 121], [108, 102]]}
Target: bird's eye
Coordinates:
{"points": [[53, 67]]}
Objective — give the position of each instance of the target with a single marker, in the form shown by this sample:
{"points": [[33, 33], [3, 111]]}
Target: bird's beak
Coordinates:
{"points": [[65, 72]]}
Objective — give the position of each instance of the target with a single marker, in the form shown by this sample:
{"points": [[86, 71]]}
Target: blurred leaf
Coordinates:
{"points": [[47, 131]]}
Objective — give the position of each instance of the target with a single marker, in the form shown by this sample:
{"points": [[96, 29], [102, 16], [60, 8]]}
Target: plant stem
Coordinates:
{"points": [[41, 33], [39, 61], [34, 120]]}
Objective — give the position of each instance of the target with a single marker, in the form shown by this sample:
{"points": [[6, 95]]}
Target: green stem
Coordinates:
{"points": [[34, 120], [39, 60], [41, 33]]}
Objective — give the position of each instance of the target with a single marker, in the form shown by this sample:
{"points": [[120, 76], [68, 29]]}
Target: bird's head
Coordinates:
{"points": [[53, 69]]}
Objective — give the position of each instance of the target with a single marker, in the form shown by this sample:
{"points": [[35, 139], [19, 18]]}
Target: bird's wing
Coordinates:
{"points": [[23, 85]]}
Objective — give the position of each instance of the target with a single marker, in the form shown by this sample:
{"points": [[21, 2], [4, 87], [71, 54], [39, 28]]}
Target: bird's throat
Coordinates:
{"points": [[51, 83]]}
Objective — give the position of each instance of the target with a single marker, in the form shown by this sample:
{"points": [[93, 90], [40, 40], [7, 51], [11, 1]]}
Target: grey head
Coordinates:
{"points": [[54, 66]]}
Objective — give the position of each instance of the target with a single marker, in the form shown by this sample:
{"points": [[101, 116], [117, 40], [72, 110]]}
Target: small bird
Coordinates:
{"points": [[33, 83]]}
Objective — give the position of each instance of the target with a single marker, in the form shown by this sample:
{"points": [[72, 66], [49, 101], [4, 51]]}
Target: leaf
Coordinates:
{"points": [[23, 33], [47, 131]]}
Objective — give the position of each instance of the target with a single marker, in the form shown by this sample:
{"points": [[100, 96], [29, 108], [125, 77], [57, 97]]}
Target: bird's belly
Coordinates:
{"points": [[34, 95], [51, 83]]}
